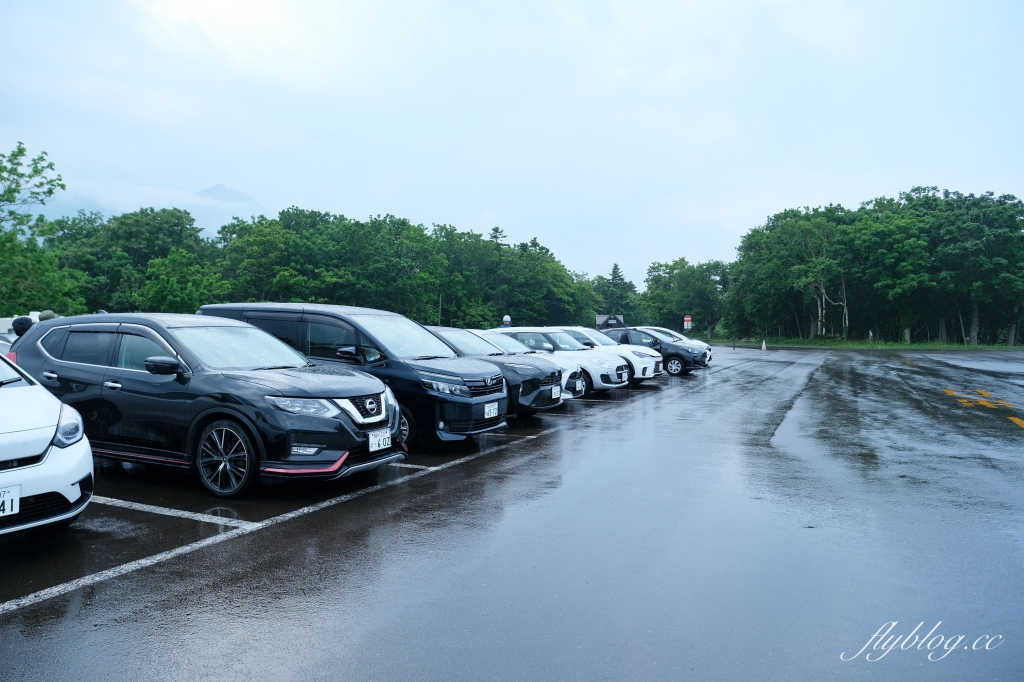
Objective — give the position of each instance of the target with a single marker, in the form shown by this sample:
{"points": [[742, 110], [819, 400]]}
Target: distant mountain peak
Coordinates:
{"points": [[228, 195]]}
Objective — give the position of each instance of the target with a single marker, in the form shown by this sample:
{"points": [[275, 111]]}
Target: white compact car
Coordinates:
{"points": [[602, 370], [572, 375], [46, 474], [676, 336], [643, 362]]}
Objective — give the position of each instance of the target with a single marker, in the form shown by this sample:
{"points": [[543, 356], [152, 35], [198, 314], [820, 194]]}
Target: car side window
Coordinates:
{"points": [[134, 350], [285, 330], [53, 342], [533, 340], [324, 340], [369, 350], [646, 339], [89, 348]]}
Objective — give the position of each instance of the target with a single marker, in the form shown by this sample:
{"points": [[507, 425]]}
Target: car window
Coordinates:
{"points": [[285, 330], [53, 342], [468, 343], [506, 343], [579, 336], [661, 336], [534, 340], [7, 373], [324, 340], [645, 339], [89, 348], [134, 350], [601, 340], [403, 338], [563, 341], [238, 348]]}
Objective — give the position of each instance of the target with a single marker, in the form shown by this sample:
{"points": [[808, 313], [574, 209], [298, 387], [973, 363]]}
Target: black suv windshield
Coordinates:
{"points": [[238, 348], [468, 343], [403, 338]]}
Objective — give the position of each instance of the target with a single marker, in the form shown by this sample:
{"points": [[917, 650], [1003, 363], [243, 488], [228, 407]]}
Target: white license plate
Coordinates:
{"points": [[556, 392], [490, 410], [10, 499], [379, 439], [579, 385]]}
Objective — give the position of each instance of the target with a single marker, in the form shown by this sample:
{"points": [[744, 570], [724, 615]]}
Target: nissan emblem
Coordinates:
{"points": [[371, 405]]}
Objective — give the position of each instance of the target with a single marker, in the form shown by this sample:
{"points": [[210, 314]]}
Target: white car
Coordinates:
{"points": [[676, 336], [572, 375], [602, 370], [46, 474], [643, 362]]}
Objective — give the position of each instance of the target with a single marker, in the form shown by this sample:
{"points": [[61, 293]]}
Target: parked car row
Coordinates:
{"points": [[252, 393]]}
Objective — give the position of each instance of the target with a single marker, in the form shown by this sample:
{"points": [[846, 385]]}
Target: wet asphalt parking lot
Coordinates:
{"points": [[756, 520]]}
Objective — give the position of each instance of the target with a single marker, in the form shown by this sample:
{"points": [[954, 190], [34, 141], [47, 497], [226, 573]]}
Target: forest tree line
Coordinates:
{"points": [[927, 266]]}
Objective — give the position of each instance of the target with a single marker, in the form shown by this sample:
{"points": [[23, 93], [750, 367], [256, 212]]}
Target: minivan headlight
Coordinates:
{"points": [[432, 384], [306, 406], [70, 428]]}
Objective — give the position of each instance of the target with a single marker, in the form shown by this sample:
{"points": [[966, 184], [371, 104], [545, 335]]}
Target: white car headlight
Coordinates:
{"points": [[70, 428], [641, 354], [310, 407], [515, 365], [601, 363]]}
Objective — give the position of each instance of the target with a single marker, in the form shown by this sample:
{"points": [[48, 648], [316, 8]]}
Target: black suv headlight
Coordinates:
{"points": [[443, 384], [311, 407]]}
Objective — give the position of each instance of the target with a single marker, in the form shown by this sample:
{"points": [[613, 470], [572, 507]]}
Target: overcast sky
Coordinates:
{"points": [[613, 132]]}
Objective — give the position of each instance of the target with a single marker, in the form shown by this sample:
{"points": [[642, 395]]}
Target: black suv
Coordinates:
{"points": [[441, 394], [217, 395], [534, 384], [679, 357]]}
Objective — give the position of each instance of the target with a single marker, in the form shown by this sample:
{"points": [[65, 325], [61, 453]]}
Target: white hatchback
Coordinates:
{"points": [[643, 362], [46, 473]]}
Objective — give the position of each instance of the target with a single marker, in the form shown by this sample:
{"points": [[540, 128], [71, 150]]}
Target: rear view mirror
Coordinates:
{"points": [[589, 344], [548, 346], [161, 364], [348, 353]]}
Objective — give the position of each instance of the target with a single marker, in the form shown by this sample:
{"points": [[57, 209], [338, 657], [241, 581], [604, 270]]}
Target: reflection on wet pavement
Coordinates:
{"points": [[751, 521]]}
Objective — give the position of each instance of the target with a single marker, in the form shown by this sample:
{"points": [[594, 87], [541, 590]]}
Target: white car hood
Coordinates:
{"points": [[28, 420]]}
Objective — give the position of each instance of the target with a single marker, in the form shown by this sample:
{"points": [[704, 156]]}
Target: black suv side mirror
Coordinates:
{"points": [[349, 353], [589, 344], [161, 364]]}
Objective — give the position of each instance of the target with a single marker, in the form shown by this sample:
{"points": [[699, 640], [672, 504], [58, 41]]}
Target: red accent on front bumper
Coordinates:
{"points": [[328, 470]]}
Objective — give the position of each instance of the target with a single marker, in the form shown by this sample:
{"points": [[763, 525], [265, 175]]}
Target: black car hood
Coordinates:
{"points": [[502, 364], [320, 381], [460, 367]]}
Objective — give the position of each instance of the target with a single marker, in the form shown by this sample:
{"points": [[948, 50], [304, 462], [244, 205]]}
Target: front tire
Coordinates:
{"points": [[226, 459], [406, 426], [675, 366], [588, 384]]}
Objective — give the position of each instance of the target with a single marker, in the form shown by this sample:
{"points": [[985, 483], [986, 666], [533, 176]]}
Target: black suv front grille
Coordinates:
{"points": [[359, 402], [467, 425], [553, 379], [488, 386]]}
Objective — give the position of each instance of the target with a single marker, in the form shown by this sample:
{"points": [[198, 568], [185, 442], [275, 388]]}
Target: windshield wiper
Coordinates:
{"points": [[490, 354], [10, 381], [256, 369], [432, 357]]}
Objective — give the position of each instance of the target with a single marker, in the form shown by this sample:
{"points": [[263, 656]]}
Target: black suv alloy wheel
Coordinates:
{"points": [[226, 459]]}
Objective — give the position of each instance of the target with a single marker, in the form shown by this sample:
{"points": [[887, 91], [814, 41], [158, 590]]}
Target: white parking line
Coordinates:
{"points": [[404, 465], [117, 571], [166, 511]]}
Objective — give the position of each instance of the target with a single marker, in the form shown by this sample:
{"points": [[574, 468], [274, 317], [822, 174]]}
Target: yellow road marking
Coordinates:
{"points": [[949, 391], [986, 404], [981, 392], [1018, 421]]}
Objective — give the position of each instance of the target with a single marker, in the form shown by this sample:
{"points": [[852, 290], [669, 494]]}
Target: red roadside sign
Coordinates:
{"points": [[687, 322]]}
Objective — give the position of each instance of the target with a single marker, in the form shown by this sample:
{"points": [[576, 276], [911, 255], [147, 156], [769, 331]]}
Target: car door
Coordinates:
{"points": [[639, 338], [76, 374], [151, 407], [285, 326]]}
